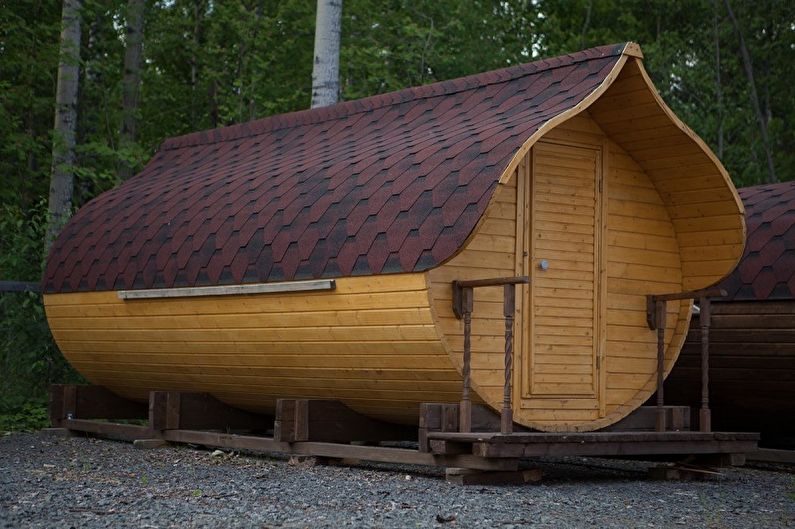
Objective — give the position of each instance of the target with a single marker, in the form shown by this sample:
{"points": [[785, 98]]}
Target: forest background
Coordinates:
{"points": [[725, 67]]}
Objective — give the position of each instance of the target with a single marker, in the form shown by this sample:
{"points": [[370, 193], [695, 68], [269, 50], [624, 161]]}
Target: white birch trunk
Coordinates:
{"points": [[326, 67], [63, 144]]}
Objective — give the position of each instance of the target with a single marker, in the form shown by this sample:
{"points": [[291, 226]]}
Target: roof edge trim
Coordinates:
{"points": [[681, 125], [563, 116], [631, 49]]}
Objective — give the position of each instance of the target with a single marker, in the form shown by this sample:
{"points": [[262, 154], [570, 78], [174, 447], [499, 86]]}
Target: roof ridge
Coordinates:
{"points": [[356, 106]]}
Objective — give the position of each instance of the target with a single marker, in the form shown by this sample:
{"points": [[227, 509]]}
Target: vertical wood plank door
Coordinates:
{"points": [[564, 235]]}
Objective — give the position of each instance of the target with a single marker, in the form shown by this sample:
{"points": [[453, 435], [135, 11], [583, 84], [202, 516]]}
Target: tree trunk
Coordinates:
{"points": [[131, 83], [749, 72], [326, 68], [63, 144], [718, 84], [586, 24], [198, 15]]}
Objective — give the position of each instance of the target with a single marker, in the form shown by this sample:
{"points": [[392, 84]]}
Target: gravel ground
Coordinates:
{"points": [[53, 482]]}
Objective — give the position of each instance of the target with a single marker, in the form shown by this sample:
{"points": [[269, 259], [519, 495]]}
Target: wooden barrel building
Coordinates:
{"points": [[752, 330], [311, 254]]}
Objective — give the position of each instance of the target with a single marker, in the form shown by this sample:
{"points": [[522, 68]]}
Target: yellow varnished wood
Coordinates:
{"points": [[373, 339], [657, 215]]}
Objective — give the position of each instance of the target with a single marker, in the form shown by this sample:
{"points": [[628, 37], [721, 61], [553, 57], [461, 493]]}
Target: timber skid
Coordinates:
{"points": [[331, 431]]}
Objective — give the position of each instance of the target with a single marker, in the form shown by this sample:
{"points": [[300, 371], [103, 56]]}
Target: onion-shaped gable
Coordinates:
{"points": [[388, 184]]}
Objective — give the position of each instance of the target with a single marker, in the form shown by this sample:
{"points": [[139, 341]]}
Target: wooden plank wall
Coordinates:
{"points": [[705, 210], [371, 343], [642, 257], [752, 369], [490, 253]]}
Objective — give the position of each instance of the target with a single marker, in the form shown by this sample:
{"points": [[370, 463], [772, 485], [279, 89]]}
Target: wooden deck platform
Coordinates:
{"points": [[329, 430], [520, 445]]}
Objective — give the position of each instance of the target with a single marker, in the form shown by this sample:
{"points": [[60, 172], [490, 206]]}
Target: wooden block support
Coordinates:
{"points": [[719, 460], [300, 420], [145, 444], [680, 473], [461, 476], [444, 417], [173, 410], [69, 401]]}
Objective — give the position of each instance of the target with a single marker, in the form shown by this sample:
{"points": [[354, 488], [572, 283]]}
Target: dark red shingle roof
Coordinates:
{"points": [[390, 183], [767, 268]]}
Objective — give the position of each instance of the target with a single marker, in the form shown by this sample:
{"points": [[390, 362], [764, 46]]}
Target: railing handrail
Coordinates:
{"points": [[463, 303], [656, 309]]}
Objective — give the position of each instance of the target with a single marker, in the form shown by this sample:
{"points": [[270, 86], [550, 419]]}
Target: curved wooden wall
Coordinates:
{"points": [[670, 221], [642, 256], [704, 206], [371, 343]]}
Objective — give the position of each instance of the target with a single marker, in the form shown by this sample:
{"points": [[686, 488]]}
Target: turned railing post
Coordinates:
{"points": [[465, 408], [704, 414], [509, 306], [655, 317], [660, 310], [463, 302]]}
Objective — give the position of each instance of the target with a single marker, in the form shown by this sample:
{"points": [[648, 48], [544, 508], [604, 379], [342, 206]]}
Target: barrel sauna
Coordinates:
{"points": [[752, 331], [311, 255]]}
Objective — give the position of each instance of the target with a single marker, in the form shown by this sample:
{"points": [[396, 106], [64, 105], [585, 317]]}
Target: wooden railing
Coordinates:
{"points": [[463, 303], [656, 305]]}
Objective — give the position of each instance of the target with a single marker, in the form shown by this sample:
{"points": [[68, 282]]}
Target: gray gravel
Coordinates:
{"points": [[47, 481]]}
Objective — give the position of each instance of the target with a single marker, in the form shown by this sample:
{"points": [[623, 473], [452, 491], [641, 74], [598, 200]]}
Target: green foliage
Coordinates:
{"points": [[27, 418], [209, 64], [29, 360]]}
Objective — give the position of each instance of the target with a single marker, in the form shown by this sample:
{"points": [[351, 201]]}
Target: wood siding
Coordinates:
{"points": [[371, 343], [703, 205], [490, 253], [752, 369], [641, 257]]}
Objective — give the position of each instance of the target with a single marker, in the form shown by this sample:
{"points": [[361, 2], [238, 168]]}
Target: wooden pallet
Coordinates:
{"points": [[330, 430]]}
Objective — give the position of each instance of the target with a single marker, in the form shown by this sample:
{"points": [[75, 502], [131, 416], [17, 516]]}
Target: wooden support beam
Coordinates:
{"points": [[300, 420], [680, 473], [335, 450], [772, 455], [109, 430], [70, 401], [173, 410], [465, 476]]}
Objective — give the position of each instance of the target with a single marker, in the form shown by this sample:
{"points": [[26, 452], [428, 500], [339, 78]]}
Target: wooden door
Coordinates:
{"points": [[562, 244]]}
